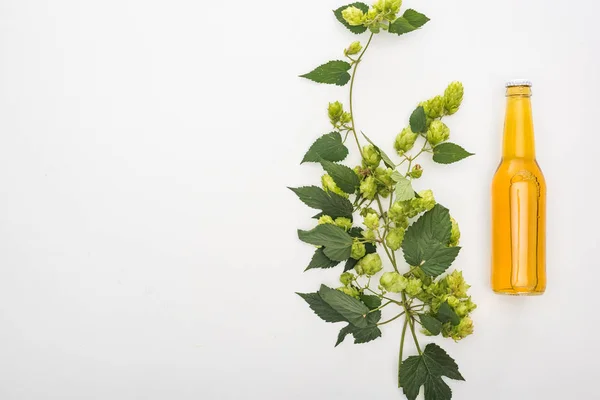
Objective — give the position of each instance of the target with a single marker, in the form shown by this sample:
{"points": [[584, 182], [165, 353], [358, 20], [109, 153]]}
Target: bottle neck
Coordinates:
{"points": [[518, 124]]}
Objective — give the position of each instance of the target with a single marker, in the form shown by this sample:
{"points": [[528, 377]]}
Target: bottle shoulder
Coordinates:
{"points": [[509, 168]]}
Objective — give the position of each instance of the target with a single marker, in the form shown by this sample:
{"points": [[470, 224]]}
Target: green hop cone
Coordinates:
{"points": [[416, 172], [427, 199], [354, 16], [369, 265], [394, 238], [371, 156], [454, 234], [350, 291], [414, 287], [437, 133], [384, 176], [455, 284], [387, 6], [367, 210], [460, 331], [343, 222], [354, 48], [405, 141], [330, 186], [335, 111], [325, 219], [358, 250], [368, 188], [371, 221], [434, 108], [453, 96], [369, 235], [453, 301], [398, 210], [346, 278], [393, 282], [345, 118]]}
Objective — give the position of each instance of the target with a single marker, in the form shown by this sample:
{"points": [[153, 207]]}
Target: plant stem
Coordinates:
{"points": [[409, 318], [401, 348], [352, 91], [390, 320]]}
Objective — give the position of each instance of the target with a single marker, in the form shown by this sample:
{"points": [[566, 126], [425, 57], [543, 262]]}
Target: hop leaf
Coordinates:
{"points": [[428, 369], [328, 147], [411, 20], [448, 153], [333, 72]]}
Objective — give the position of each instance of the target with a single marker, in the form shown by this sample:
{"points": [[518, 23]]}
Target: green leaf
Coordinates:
{"points": [[404, 190], [353, 310], [431, 324], [361, 335], [344, 177], [401, 26], [437, 389], [370, 301], [364, 335], [354, 29], [331, 204], [448, 153], [446, 314], [328, 147], [411, 376], [415, 18], [427, 369], [425, 242], [411, 20], [439, 361], [321, 308], [337, 243], [320, 260], [418, 121], [384, 157], [343, 333], [437, 257], [333, 72]]}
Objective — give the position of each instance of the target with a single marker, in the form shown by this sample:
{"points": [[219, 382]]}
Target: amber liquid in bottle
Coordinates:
{"points": [[518, 204]]}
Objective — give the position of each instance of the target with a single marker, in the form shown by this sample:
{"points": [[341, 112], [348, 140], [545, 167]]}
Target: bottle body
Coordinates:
{"points": [[518, 205]]}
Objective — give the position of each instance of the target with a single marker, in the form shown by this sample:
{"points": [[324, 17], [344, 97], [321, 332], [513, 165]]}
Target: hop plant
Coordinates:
{"points": [[358, 250], [371, 156], [354, 48], [369, 265], [453, 96], [354, 16], [347, 278], [393, 282], [438, 132], [373, 211], [405, 140], [454, 233], [329, 185], [368, 188], [394, 238], [434, 108]]}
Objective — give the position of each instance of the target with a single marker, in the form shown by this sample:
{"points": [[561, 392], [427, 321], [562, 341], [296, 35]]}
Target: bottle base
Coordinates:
{"points": [[519, 292]]}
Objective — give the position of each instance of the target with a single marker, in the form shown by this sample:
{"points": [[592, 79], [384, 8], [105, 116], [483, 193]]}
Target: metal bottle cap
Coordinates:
{"points": [[519, 82]]}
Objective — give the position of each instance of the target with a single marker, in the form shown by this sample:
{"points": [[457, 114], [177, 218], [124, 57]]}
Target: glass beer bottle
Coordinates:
{"points": [[518, 203]]}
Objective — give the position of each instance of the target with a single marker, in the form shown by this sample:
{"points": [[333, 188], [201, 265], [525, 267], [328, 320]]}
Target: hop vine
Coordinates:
{"points": [[372, 211]]}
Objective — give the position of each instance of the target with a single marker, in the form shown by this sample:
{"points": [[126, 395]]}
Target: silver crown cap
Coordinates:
{"points": [[519, 82]]}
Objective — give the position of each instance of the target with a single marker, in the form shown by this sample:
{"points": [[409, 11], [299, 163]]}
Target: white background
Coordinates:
{"points": [[148, 243]]}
